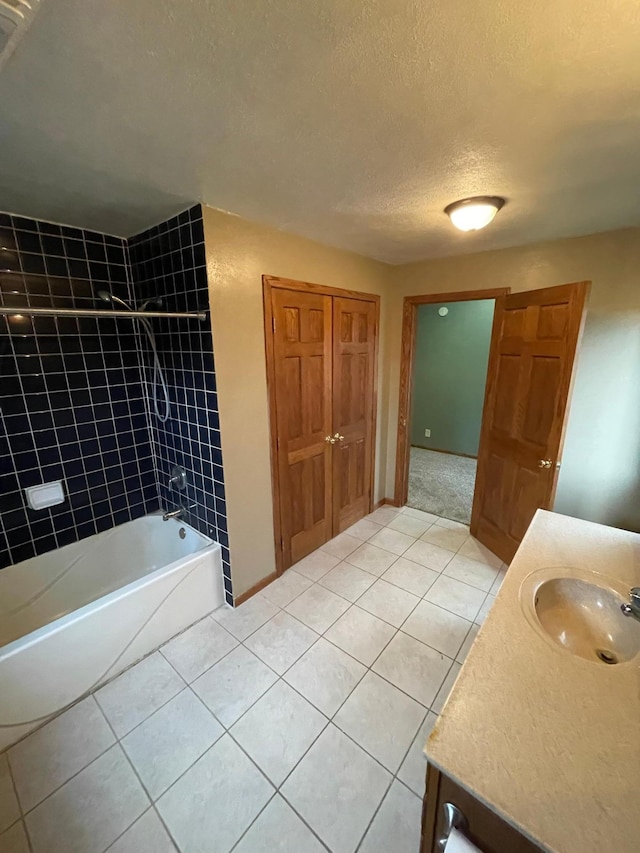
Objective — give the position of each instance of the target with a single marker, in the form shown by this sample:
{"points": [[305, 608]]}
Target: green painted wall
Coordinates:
{"points": [[449, 375]]}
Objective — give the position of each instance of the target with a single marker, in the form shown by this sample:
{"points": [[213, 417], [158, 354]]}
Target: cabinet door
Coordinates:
{"points": [[303, 400], [486, 829], [354, 332]]}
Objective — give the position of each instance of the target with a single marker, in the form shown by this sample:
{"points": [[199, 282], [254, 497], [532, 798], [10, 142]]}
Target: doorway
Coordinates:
{"points": [[431, 370], [451, 356], [534, 340], [321, 353]]}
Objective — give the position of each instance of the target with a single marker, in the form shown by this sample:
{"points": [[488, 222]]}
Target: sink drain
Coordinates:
{"points": [[606, 656]]}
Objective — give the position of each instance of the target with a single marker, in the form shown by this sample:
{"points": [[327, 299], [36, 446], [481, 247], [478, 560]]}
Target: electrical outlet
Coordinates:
{"points": [[427, 433]]}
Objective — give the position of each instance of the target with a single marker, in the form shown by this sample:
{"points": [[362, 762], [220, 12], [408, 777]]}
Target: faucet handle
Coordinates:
{"points": [[634, 594]]}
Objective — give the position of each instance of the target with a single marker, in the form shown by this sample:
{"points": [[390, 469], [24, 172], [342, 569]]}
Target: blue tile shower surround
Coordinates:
{"points": [[168, 261], [73, 402]]}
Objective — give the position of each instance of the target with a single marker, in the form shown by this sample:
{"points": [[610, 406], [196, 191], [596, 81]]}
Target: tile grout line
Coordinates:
{"points": [[330, 720], [143, 786]]}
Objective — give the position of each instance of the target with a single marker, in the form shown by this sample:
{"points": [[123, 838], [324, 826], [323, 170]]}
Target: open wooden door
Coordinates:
{"points": [[354, 333], [534, 341], [302, 342]]}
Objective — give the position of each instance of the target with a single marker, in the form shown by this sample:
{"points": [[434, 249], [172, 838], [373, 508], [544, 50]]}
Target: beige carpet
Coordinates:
{"points": [[441, 483]]}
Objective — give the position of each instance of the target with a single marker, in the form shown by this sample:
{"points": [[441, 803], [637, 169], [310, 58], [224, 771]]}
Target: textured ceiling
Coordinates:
{"points": [[353, 122]]}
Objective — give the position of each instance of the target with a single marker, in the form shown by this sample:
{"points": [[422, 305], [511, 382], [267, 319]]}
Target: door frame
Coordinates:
{"points": [[269, 283], [407, 353]]}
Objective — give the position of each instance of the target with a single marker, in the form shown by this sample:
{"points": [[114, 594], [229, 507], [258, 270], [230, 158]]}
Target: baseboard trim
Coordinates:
{"points": [[258, 587], [450, 452], [385, 502]]}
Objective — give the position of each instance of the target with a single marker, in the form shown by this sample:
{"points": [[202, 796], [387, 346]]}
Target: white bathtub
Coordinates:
{"points": [[73, 618]]}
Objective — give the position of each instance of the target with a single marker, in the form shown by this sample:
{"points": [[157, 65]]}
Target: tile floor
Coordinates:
{"points": [[294, 723]]}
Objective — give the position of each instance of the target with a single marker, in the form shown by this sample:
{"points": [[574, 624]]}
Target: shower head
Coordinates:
{"points": [[107, 296], [155, 301]]}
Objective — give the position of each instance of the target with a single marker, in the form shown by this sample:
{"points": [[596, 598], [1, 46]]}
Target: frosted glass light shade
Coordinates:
{"points": [[472, 214]]}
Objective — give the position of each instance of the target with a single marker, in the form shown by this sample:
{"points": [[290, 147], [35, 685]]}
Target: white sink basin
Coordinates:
{"points": [[580, 612]]}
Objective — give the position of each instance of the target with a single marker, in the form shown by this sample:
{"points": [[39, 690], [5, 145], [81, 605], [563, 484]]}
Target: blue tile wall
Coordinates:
{"points": [[73, 391], [168, 261], [72, 404]]}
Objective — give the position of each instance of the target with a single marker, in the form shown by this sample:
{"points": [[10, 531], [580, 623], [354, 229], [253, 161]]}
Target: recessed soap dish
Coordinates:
{"points": [[45, 495]]}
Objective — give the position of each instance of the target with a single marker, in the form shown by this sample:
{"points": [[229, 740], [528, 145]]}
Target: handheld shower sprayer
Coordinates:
{"points": [[158, 375]]}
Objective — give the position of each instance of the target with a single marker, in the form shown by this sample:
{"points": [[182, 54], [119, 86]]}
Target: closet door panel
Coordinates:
{"points": [[354, 324], [303, 391]]}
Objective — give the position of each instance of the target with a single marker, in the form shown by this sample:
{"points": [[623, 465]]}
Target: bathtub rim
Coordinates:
{"points": [[60, 623]]}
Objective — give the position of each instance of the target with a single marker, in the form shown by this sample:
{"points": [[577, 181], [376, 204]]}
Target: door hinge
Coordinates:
{"points": [[273, 324]]}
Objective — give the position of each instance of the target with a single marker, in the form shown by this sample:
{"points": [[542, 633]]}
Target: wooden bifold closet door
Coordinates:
{"points": [[321, 348]]}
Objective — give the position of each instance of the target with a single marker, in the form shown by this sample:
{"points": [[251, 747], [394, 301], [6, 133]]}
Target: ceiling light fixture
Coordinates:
{"points": [[472, 214]]}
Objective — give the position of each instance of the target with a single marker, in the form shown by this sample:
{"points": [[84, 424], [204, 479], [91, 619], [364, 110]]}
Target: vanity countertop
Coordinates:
{"points": [[548, 740]]}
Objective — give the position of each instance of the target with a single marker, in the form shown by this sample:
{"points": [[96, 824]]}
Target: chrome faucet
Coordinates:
{"points": [[174, 513], [633, 607]]}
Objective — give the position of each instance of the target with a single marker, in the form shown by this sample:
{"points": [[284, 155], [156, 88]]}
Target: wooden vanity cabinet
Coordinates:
{"points": [[485, 829]]}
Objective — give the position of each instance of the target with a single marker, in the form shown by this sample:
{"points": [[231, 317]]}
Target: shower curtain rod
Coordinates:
{"points": [[97, 312]]}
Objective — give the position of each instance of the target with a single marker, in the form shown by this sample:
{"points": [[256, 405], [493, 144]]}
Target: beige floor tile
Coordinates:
{"points": [[428, 555], [147, 835], [468, 642], [443, 693], [9, 808], [278, 730], [316, 565], [476, 551], [388, 602], [428, 517], [248, 617], [363, 529], [445, 537], [452, 525], [334, 763], [169, 741], [383, 515], [392, 540], [90, 811], [318, 608], [325, 676], [411, 576], [472, 572], [281, 641], [137, 693], [371, 559], [198, 648], [497, 583], [381, 719], [348, 581], [457, 597], [230, 792], [397, 823], [14, 839], [285, 588], [484, 610], [413, 771], [46, 759], [342, 545], [442, 630], [413, 667], [361, 634], [231, 686], [278, 829], [411, 526]]}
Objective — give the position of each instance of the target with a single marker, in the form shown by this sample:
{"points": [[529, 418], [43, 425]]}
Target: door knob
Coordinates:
{"points": [[330, 440], [545, 463], [338, 437]]}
